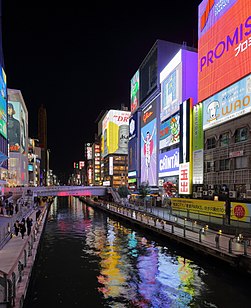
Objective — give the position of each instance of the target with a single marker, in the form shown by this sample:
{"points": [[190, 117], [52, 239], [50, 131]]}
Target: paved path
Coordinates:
{"points": [[195, 232]]}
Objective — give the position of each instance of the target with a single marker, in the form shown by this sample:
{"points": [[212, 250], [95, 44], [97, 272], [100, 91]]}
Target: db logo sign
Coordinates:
{"points": [[239, 211]]}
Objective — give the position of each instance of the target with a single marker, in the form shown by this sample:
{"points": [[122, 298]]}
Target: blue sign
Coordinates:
{"points": [[232, 102], [169, 163]]}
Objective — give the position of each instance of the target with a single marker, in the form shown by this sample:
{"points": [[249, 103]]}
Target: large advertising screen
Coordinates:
{"points": [[171, 87], [228, 104], [169, 133], [224, 46], [14, 126], [148, 153], [169, 163], [3, 105], [135, 92], [115, 132], [148, 144]]}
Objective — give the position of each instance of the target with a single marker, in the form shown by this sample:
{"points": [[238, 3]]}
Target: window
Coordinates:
{"points": [[224, 164], [211, 143], [209, 166], [241, 162], [224, 140], [241, 134]]}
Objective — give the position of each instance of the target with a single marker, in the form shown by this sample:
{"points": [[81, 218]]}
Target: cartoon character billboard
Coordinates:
{"points": [[228, 104], [148, 153], [169, 133]]}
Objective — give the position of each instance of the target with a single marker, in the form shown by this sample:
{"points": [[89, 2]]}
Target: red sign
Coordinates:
{"points": [[224, 47]]}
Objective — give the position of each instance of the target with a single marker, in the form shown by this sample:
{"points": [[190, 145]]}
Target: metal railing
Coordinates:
{"points": [[9, 282], [182, 227]]}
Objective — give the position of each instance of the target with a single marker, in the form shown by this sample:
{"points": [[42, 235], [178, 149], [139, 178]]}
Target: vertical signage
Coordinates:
{"points": [[135, 92], [3, 109], [184, 179], [149, 145], [198, 137], [110, 165], [185, 147]]}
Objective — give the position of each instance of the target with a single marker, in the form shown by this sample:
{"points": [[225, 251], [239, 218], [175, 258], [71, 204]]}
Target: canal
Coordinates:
{"points": [[88, 259]]}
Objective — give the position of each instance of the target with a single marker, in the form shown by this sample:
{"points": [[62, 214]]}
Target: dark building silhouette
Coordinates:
{"points": [[42, 137]]}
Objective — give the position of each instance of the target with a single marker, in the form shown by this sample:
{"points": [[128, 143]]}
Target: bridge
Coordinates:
{"points": [[63, 191]]}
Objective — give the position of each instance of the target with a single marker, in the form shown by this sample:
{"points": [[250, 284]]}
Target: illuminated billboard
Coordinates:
{"points": [[171, 86], [135, 92], [178, 82], [224, 45], [149, 145], [169, 163], [14, 126], [3, 108], [115, 132], [198, 138], [169, 133], [133, 126], [17, 122], [228, 104]]}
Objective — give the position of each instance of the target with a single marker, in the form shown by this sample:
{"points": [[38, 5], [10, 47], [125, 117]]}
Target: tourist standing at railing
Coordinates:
{"points": [[16, 227], [11, 208], [29, 223], [22, 227]]}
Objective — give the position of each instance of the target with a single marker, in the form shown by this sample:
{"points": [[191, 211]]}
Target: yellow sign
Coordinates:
{"points": [[239, 211], [214, 208]]}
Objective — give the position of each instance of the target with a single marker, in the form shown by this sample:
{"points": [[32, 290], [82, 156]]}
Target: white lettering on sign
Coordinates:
{"points": [[169, 162]]}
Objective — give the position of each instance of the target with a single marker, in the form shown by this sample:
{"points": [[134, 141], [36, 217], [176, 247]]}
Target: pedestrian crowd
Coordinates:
{"points": [[7, 206], [23, 226]]}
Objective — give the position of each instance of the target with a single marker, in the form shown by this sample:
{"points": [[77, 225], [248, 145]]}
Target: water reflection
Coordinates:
{"points": [[116, 266]]}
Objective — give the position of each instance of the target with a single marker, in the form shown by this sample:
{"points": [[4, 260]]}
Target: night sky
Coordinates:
{"points": [[77, 59]]}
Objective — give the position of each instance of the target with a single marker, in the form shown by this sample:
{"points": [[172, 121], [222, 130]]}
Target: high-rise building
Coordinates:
{"points": [[3, 112], [42, 137], [18, 139]]}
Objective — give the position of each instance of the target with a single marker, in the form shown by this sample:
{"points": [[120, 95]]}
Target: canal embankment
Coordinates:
{"points": [[17, 259], [224, 247]]}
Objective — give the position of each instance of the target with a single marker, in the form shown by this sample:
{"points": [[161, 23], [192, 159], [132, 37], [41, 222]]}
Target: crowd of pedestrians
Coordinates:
{"points": [[23, 226]]}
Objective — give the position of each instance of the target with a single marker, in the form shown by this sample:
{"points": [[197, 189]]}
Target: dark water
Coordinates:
{"points": [[89, 260]]}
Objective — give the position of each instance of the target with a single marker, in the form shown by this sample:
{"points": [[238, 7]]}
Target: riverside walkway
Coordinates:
{"points": [[232, 249], [17, 256]]}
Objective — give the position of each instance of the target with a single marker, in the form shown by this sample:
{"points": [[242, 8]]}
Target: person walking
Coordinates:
{"points": [[16, 227], [29, 223], [38, 212], [22, 227]]}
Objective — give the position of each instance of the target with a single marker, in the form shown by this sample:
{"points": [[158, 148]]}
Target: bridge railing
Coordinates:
{"points": [[59, 190]]}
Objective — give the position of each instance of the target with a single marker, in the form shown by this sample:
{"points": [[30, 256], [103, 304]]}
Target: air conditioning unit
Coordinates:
{"points": [[205, 192], [232, 194], [199, 188], [242, 196], [211, 186], [211, 192], [195, 194], [199, 194], [248, 194]]}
